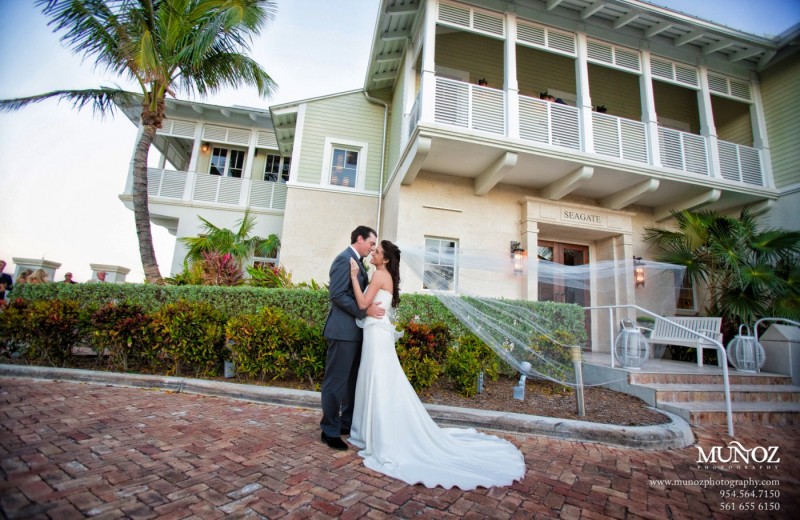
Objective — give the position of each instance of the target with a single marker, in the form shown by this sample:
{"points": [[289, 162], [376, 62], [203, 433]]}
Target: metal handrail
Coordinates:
{"points": [[722, 355], [797, 324]]}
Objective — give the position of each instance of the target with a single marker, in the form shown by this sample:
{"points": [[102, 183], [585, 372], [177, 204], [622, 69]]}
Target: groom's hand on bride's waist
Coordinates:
{"points": [[375, 310]]}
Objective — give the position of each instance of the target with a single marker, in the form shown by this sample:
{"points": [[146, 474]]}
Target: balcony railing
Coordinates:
{"points": [[683, 151], [476, 107], [740, 163], [470, 106], [171, 184], [618, 137], [547, 122]]}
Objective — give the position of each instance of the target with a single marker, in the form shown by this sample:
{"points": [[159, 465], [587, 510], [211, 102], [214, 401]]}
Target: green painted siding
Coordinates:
{"points": [[677, 103], [349, 117], [732, 119], [481, 56], [780, 92], [617, 90], [538, 71]]}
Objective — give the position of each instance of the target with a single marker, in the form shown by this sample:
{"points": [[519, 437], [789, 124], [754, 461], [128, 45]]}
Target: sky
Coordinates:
{"points": [[63, 170]]}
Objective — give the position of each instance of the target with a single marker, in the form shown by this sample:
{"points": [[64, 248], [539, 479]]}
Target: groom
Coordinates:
{"points": [[344, 338]]}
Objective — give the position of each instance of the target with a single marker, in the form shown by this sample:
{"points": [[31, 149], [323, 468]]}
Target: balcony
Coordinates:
{"points": [[483, 109], [181, 186]]}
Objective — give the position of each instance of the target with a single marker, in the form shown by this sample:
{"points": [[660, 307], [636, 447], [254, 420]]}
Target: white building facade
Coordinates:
{"points": [[450, 144]]}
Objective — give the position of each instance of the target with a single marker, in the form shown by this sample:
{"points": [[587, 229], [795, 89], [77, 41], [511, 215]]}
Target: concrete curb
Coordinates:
{"points": [[676, 434]]}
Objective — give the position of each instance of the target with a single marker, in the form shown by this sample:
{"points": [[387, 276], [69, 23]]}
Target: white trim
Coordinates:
{"points": [[361, 147], [298, 142]]}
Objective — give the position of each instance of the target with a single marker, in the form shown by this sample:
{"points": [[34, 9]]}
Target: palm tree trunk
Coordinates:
{"points": [[141, 208]]}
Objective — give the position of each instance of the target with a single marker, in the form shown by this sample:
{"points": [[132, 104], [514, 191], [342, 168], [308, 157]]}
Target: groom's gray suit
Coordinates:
{"points": [[344, 345]]}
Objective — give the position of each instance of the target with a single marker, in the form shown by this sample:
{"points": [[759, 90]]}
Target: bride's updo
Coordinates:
{"points": [[392, 253]]}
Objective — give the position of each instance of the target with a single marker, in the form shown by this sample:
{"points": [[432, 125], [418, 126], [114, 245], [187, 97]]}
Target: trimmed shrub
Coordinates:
{"points": [[261, 343], [421, 370], [54, 327], [308, 355], [466, 360], [14, 327], [122, 332], [191, 335]]}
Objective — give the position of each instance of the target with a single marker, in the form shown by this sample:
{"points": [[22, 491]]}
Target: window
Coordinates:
{"points": [[344, 164], [440, 265], [277, 168], [686, 295], [227, 162], [344, 168]]}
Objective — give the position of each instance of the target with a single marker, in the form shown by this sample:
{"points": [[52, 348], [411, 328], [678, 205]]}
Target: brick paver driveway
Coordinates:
{"points": [[71, 450]]}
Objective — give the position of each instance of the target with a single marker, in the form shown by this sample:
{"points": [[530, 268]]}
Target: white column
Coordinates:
{"points": [[191, 174], [584, 100], [428, 80], [510, 83], [247, 173], [409, 83], [649, 116], [707, 127], [530, 242], [760, 139]]}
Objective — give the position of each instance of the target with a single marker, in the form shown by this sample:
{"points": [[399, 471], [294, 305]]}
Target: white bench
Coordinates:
{"points": [[666, 332]]}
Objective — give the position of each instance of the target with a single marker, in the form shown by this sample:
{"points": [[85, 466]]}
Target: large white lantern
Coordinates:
{"points": [[745, 352], [631, 349]]}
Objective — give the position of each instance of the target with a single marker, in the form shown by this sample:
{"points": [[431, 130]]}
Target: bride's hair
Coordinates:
{"points": [[392, 253]]}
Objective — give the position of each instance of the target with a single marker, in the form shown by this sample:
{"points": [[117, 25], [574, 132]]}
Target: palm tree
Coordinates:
{"points": [[192, 46], [238, 244], [750, 273]]}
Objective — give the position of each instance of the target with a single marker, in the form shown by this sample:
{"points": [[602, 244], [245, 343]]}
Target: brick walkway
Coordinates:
{"points": [[72, 450]]}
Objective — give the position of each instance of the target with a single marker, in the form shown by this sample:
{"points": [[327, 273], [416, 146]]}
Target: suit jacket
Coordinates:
{"points": [[341, 321]]}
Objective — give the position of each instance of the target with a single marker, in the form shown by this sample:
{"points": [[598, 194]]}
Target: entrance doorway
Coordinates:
{"points": [[554, 289]]}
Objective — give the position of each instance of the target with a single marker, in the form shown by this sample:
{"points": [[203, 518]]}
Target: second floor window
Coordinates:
{"points": [[277, 168], [344, 167], [227, 162]]}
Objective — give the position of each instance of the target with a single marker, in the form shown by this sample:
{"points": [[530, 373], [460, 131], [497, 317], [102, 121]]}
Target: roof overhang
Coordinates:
{"points": [[181, 109], [631, 20]]}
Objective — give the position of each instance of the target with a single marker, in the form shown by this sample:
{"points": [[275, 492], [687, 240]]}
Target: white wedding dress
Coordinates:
{"points": [[398, 438]]}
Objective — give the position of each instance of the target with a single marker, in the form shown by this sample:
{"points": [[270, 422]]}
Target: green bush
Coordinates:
{"points": [[55, 326], [421, 370], [466, 360], [308, 355], [191, 335], [14, 327], [261, 343], [432, 341], [122, 332]]}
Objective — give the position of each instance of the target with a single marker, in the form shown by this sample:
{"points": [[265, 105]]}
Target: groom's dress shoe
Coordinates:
{"points": [[334, 442]]}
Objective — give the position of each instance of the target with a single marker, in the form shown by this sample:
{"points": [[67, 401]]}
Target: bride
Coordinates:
{"points": [[396, 435]]}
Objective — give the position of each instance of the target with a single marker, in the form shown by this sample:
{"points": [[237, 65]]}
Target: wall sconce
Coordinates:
{"points": [[204, 147], [517, 256], [638, 271]]}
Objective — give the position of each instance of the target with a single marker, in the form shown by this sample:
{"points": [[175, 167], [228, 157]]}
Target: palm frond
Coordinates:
{"points": [[101, 100]]}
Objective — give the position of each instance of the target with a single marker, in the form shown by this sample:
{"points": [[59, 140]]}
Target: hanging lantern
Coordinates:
{"points": [[745, 352], [631, 349]]}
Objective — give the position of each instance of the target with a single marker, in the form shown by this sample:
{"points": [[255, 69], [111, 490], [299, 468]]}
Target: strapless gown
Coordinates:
{"points": [[398, 438]]}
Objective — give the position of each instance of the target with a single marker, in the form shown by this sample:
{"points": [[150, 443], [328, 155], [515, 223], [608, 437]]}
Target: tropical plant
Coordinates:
{"points": [[193, 46], [221, 269], [239, 244], [750, 273]]}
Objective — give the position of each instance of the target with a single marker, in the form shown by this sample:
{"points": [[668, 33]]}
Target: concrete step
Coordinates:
{"points": [[734, 378], [748, 412], [716, 392]]}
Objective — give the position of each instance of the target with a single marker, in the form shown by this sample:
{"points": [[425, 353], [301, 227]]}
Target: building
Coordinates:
{"points": [[452, 144]]}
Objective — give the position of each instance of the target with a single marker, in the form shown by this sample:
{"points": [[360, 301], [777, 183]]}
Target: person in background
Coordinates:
{"points": [[38, 276], [6, 282], [101, 277], [68, 278], [22, 279]]}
